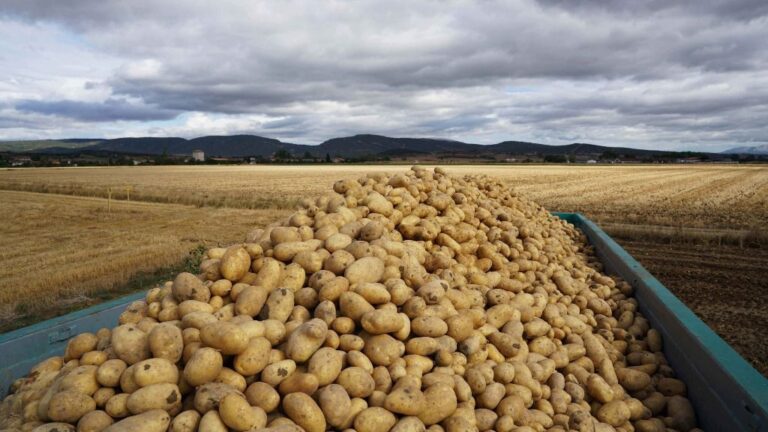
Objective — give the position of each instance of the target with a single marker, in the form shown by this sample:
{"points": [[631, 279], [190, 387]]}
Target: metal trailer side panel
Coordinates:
{"points": [[21, 349], [727, 393]]}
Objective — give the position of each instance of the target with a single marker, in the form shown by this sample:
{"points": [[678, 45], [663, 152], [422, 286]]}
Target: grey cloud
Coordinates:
{"points": [[431, 68], [109, 110]]}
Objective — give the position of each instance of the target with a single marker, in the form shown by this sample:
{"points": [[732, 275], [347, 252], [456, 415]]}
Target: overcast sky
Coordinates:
{"points": [[689, 75]]}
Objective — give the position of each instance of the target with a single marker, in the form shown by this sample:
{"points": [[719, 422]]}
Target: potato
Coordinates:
{"points": [[81, 379], [163, 396], [615, 413], [374, 419], [441, 402], [69, 405], [166, 341], [599, 389], [460, 327], [409, 424], [276, 372], [235, 263], [383, 349], [150, 421], [208, 396], [102, 395], [429, 326], [94, 421], [303, 410], [269, 275], [251, 300], [211, 422], [279, 305], [94, 358], [367, 269], [254, 358], [190, 306], [306, 339], [130, 344], [155, 371], [335, 404], [204, 366], [187, 286], [633, 380], [263, 395], [226, 337], [299, 382], [237, 414], [406, 397], [357, 382], [186, 421], [381, 321], [326, 364], [117, 405], [80, 344]]}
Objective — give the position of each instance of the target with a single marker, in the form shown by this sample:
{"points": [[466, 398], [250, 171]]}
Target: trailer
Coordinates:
{"points": [[727, 393]]}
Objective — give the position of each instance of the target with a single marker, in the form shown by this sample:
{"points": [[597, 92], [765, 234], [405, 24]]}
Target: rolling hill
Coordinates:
{"points": [[755, 150], [355, 147]]}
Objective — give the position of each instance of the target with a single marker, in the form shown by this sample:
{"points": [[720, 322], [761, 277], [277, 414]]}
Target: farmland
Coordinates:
{"points": [[72, 251], [733, 197], [700, 229]]}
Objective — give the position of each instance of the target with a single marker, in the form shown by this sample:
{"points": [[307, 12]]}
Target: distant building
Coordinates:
{"points": [[198, 156], [591, 161], [21, 161]]}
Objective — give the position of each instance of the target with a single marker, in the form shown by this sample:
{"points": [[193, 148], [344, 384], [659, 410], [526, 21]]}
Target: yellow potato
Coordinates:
{"points": [[166, 341], [204, 366], [254, 358], [187, 286], [226, 337], [94, 421], [374, 419], [235, 263], [69, 406], [162, 396], [251, 300], [186, 421], [150, 421], [155, 371], [441, 402], [306, 339], [263, 395], [303, 410], [237, 414]]}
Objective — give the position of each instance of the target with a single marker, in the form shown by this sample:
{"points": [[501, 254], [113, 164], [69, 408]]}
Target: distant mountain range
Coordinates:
{"points": [[756, 150], [357, 146]]}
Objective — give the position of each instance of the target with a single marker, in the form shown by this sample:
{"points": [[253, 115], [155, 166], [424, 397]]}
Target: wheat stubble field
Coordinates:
{"points": [[700, 229]]}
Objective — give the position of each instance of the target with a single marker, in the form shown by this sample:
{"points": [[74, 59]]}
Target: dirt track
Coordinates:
{"points": [[724, 285]]}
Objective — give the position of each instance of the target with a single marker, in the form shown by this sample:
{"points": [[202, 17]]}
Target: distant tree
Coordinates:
{"points": [[282, 154], [557, 158], [609, 154], [328, 157], [307, 155]]}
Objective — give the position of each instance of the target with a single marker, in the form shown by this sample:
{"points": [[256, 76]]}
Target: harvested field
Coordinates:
{"points": [[724, 286], [69, 250], [704, 196]]}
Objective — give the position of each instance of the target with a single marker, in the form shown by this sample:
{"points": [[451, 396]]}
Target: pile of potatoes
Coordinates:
{"points": [[404, 303]]}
